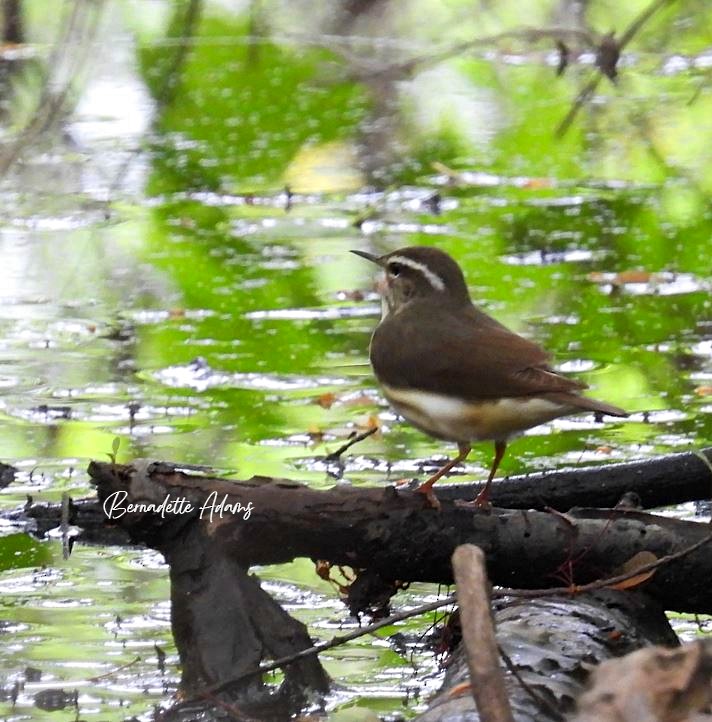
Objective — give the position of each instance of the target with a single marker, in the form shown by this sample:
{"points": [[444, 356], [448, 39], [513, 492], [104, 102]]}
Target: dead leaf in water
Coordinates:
{"points": [[537, 183], [315, 434], [368, 422], [326, 401], [624, 277]]}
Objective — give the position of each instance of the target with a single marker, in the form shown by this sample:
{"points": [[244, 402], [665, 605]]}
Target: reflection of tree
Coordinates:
{"points": [[68, 58], [13, 26], [183, 28], [607, 59], [607, 48]]}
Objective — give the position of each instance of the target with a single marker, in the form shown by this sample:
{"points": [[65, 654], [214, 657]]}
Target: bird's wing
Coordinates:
{"points": [[469, 355]]}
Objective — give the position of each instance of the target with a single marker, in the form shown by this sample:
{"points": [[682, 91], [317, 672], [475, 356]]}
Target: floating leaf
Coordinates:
{"points": [[536, 183], [625, 277], [326, 401]]}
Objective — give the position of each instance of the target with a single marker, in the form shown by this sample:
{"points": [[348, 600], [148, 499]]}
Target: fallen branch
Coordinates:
{"points": [[395, 536], [661, 481], [224, 625]]}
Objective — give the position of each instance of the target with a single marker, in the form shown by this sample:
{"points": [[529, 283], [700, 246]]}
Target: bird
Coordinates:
{"points": [[453, 371]]}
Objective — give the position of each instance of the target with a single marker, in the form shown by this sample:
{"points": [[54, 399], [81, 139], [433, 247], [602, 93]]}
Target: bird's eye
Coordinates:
{"points": [[395, 268]]}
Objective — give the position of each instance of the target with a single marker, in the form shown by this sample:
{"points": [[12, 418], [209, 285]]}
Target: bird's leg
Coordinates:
{"points": [[427, 486], [482, 499]]}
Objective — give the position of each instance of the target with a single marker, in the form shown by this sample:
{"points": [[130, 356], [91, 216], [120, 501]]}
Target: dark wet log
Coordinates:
{"points": [[7, 474], [395, 536], [662, 481], [224, 624], [552, 643]]}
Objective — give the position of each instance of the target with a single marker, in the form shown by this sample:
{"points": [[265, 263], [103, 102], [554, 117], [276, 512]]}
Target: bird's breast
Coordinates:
{"points": [[454, 419]]}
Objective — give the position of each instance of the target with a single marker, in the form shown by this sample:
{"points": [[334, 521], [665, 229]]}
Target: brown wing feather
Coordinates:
{"points": [[467, 353]]}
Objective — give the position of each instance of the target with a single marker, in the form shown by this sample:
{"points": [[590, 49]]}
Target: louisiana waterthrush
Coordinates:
{"points": [[453, 371]]}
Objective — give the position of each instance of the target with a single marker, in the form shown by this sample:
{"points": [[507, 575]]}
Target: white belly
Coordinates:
{"points": [[452, 419]]}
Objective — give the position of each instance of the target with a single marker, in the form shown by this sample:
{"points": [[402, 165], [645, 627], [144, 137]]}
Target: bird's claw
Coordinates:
{"points": [[430, 497], [480, 503]]}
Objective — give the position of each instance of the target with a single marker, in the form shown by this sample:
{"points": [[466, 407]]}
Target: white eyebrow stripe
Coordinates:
{"points": [[433, 279]]}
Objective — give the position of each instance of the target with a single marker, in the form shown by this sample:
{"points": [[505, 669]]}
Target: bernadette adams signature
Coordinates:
{"points": [[116, 505]]}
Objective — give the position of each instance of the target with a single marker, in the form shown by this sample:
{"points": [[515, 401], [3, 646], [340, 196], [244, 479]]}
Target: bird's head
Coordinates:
{"points": [[418, 272]]}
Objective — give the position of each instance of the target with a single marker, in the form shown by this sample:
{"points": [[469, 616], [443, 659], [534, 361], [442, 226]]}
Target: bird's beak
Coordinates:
{"points": [[369, 257]]}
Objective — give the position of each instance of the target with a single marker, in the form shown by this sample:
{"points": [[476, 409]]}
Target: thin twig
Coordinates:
{"points": [[584, 94], [115, 670], [64, 526], [421, 62], [335, 455], [590, 87]]}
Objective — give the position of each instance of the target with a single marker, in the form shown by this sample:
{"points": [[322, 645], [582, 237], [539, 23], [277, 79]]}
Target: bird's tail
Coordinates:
{"points": [[586, 404]]}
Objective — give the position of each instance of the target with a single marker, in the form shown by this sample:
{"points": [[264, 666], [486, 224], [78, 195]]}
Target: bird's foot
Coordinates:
{"points": [[425, 489], [429, 494], [481, 502]]}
